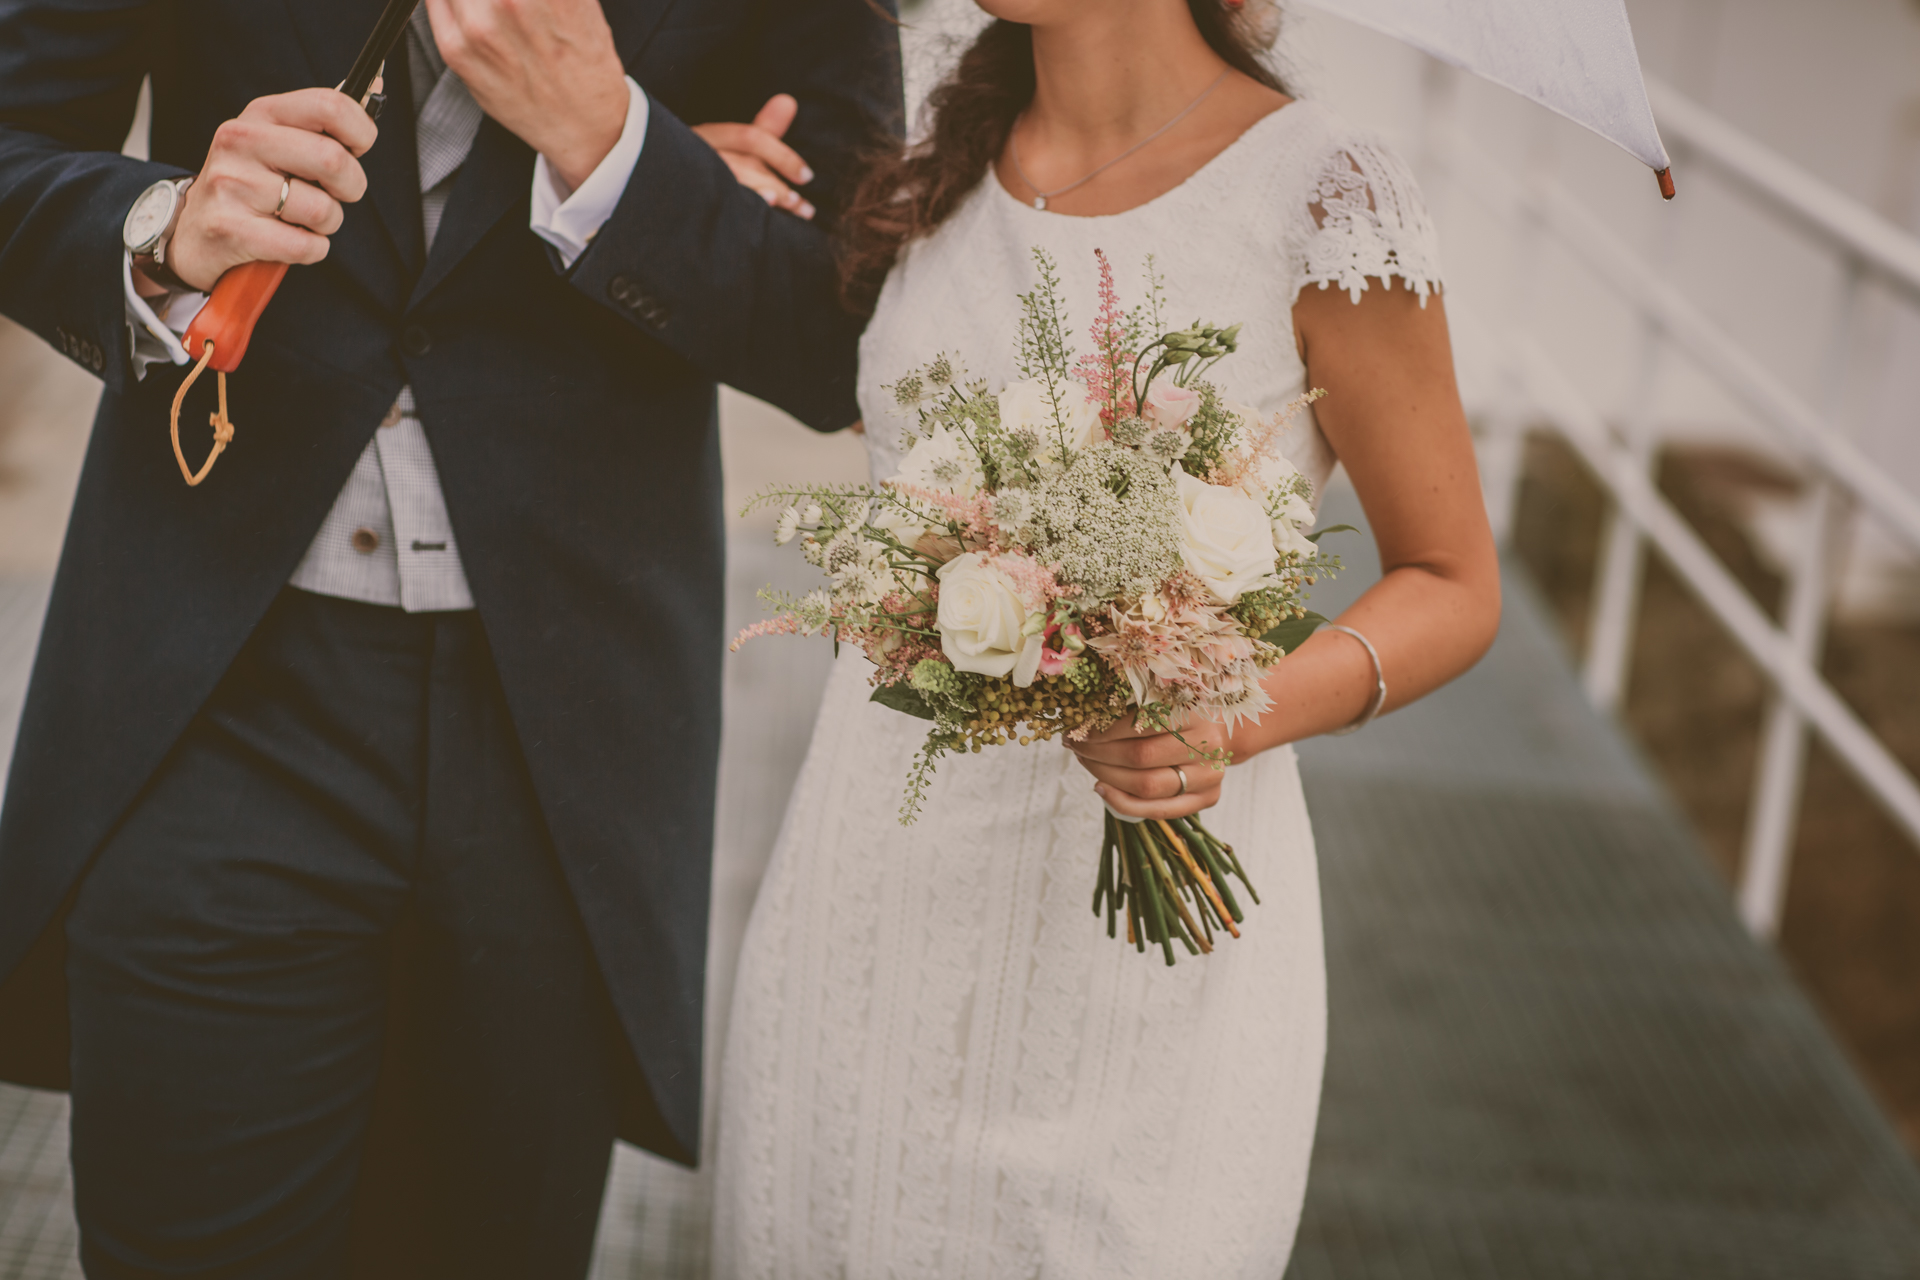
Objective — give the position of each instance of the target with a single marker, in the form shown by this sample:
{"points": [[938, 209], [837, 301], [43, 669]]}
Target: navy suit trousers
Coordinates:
{"points": [[334, 1011]]}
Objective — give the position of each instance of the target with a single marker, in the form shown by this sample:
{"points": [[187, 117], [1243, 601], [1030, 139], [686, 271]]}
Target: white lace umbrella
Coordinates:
{"points": [[1575, 57]]}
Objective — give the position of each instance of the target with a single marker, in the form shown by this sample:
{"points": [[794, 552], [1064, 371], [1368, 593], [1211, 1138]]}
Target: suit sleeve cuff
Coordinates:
{"points": [[157, 341], [570, 223]]}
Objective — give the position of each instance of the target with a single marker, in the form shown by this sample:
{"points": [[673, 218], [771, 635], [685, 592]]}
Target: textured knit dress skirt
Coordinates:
{"points": [[937, 1064]]}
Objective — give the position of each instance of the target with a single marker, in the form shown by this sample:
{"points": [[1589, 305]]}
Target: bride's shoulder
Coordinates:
{"points": [[1341, 200], [1296, 149]]}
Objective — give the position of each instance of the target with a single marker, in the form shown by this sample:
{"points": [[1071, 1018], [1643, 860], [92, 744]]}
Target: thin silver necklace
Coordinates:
{"points": [[1040, 197]]}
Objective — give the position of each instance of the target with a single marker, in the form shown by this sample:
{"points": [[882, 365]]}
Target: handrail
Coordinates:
{"points": [[1624, 477], [1740, 374], [1846, 224], [1867, 249], [1769, 647]]}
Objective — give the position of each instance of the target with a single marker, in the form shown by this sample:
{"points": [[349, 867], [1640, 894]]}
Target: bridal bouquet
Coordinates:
{"points": [[1106, 536]]}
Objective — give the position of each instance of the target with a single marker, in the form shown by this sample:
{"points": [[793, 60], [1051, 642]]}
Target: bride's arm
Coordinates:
{"points": [[1393, 415]]}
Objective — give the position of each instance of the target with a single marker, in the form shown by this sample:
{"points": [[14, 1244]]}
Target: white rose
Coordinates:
{"points": [[981, 616], [1027, 404], [1289, 535], [1170, 404], [1293, 515], [942, 461], [1225, 536]]}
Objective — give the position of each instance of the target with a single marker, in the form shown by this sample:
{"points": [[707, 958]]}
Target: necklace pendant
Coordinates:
{"points": [[1040, 202]]}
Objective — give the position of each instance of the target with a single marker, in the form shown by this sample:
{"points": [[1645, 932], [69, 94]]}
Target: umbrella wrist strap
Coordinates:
{"points": [[222, 425]]}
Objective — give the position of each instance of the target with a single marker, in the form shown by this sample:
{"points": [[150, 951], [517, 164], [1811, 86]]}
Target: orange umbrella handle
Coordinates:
{"points": [[228, 318]]}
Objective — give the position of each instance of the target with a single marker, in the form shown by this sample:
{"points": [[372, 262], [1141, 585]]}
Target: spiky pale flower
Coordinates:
{"points": [[1167, 445], [942, 460]]}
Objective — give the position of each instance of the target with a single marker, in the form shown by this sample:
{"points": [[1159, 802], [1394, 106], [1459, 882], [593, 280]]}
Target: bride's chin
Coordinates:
{"points": [[1029, 12]]}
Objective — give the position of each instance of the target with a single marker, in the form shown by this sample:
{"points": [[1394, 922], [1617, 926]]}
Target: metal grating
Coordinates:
{"points": [[1554, 1052]]}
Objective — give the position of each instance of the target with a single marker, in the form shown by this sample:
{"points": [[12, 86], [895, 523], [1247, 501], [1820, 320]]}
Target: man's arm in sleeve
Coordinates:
{"points": [[70, 72], [747, 293]]}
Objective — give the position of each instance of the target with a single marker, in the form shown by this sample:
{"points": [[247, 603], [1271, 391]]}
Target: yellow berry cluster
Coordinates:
{"points": [[1050, 707]]}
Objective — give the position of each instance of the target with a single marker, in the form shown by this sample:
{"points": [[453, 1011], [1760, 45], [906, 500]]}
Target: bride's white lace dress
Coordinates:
{"points": [[938, 1064]]}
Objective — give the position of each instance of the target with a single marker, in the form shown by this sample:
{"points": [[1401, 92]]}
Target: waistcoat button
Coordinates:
{"points": [[365, 541]]}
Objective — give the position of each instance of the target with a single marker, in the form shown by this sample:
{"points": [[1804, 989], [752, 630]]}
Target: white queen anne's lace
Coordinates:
{"points": [[938, 1064]]}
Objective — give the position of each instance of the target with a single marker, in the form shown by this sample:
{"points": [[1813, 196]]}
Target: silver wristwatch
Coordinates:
{"points": [[148, 230]]}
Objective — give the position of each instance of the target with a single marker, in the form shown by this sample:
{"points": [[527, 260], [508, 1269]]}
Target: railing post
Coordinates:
{"points": [[1622, 563], [1774, 808], [1503, 435]]}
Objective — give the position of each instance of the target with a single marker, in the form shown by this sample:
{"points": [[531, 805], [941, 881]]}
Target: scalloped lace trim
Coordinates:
{"points": [[1369, 220]]}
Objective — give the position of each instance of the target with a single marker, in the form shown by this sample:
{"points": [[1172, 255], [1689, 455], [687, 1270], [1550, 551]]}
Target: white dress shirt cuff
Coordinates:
{"points": [[157, 340], [570, 222]]}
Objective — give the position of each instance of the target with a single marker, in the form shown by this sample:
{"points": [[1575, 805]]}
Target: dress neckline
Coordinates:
{"points": [[1191, 180]]}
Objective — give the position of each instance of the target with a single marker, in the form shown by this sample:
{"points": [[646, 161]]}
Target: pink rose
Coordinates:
{"points": [[1170, 404], [1061, 646]]}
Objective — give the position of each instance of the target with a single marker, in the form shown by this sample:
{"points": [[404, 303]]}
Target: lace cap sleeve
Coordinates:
{"points": [[1367, 219]]}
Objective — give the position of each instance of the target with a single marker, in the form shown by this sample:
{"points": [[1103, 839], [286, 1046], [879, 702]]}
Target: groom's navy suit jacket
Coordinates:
{"points": [[571, 415]]}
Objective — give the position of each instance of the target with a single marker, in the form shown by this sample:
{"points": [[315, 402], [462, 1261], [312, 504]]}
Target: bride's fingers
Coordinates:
{"points": [[1135, 807], [1160, 783], [1148, 752], [756, 177]]}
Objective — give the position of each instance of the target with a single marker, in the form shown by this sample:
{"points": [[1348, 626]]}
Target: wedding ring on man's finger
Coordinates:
{"points": [[1181, 774], [286, 189]]}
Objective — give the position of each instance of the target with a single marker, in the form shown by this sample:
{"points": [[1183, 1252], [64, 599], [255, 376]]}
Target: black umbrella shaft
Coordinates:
{"points": [[386, 34]]}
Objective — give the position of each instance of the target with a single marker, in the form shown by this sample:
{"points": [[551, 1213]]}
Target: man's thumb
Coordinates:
{"points": [[777, 116]]}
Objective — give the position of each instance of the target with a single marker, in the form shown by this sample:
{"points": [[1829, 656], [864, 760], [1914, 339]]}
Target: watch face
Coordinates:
{"points": [[149, 216]]}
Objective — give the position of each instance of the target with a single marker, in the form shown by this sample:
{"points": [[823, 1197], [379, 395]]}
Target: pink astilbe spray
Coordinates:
{"points": [[973, 512], [1108, 368], [1260, 439], [1038, 584], [786, 624]]}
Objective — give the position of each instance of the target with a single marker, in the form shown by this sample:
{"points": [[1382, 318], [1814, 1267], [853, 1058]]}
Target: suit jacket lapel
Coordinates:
{"points": [[498, 172], [331, 34], [393, 169]]}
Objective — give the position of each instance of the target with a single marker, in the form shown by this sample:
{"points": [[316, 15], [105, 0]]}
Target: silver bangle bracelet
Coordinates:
{"points": [[1379, 698]]}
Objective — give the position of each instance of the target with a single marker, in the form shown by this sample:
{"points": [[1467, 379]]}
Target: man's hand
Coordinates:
{"points": [[759, 159], [312, 139], [546, 69], [1136, 771]]}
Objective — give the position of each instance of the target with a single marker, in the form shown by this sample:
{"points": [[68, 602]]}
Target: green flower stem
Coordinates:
{"points": [[1150, 889], [1171, 882], [1207, 852]]}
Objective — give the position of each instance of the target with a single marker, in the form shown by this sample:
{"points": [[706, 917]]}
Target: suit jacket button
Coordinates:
{"points": [[623, 291], [654, 312], [415, 340], [365, 541]]}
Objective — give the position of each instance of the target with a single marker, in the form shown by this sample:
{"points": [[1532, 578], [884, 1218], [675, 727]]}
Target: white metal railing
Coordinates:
{"points": [[1841, 478]]}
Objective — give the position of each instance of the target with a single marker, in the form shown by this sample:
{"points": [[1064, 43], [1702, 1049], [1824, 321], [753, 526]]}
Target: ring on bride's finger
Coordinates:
{"points": [[286, 189], [1181, 774]]}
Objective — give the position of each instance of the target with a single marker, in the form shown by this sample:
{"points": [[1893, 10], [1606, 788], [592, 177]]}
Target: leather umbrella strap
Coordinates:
{"points": [[222, 425]]}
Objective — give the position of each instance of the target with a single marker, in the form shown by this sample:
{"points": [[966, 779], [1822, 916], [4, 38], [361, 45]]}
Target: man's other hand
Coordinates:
{"points": [[759, 159], [546, 69], [312, 140]]}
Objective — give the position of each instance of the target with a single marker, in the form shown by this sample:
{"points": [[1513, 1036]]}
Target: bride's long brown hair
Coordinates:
{"points": [[905, 192]]}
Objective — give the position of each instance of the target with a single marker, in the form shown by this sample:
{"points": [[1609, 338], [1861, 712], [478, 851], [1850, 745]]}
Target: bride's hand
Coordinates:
{"points": [[1139, 773], [759, 159]]}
